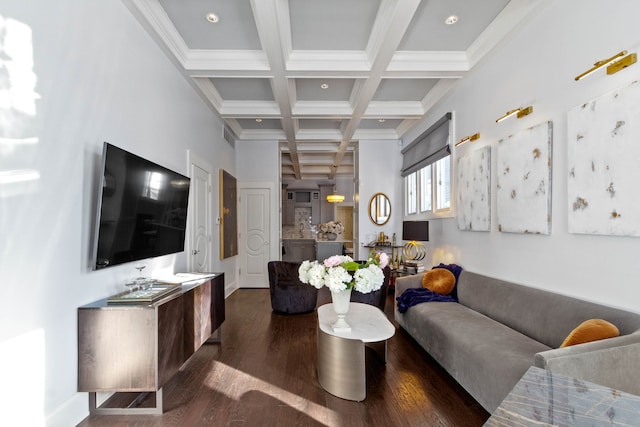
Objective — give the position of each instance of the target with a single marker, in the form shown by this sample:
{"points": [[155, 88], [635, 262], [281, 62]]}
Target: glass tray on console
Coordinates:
{"points": [[144, 296]]}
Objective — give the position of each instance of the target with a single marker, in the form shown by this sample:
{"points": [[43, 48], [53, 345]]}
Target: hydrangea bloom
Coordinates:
{"points": [[337, 279], [340, 272], [312, 273], [336, 260]]}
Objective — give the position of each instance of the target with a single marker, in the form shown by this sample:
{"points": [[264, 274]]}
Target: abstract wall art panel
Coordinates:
{"points": [[473, 190], [603, 155], [523, 164]]}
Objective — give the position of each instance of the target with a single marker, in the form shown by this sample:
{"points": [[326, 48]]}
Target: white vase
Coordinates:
{"points": [[340, 302], [331, 236]]}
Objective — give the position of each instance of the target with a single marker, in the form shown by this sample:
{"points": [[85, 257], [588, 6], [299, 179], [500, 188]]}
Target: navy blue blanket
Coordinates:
{"points": [[413, 296]]}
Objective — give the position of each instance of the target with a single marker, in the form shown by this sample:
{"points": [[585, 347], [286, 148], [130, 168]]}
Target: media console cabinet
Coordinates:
{"points": [[139, 347]]}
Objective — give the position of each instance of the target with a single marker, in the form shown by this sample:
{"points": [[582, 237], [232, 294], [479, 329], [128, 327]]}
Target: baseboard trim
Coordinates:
{"points": [[230, 288], [70, 413]]}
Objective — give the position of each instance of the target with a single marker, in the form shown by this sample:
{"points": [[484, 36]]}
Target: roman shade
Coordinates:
{"points": [[431, 146]]}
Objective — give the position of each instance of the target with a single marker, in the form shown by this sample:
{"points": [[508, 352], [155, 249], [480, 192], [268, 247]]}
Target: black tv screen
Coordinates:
{"points": [[142, 209]]}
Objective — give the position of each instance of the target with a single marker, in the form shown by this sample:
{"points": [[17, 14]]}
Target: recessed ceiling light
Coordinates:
{"points": [[259, 120], [451, 20], [324, 86], [212, 17]]}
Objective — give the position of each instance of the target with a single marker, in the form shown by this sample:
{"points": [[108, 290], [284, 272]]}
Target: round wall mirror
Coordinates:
{"points": [[379, 209]]}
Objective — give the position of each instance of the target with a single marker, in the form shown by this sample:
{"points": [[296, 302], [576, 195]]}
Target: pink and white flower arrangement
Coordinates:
{"points": [[335, 227], [340, 273]]}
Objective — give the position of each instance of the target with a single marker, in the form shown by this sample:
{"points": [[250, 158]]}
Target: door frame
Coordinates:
{"points": [[274, 218], [194, 160]]}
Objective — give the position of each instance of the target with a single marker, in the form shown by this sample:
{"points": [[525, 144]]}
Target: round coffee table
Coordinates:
{"points": [[341, 354]]}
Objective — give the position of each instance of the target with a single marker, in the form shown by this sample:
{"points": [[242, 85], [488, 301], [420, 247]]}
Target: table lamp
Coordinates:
{"points": [[415, 232]]}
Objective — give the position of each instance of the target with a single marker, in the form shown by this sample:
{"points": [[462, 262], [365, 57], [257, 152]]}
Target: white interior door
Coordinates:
{"points": [[200, 230], [254, 226]]}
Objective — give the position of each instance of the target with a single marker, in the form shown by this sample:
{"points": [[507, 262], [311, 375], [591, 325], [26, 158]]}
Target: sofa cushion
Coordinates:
{"points": [[484, 356], [545, 316], [439, 280], [591, 330]]}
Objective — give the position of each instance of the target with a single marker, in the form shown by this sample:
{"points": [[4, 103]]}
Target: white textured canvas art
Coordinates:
{"points": [[603, 154], [523, 197], [473, 190]]}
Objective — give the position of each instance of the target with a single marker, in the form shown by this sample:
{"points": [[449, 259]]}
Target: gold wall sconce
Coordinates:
{"points": [[473, 137], [622, 64], [518, 112], [614, 64]]}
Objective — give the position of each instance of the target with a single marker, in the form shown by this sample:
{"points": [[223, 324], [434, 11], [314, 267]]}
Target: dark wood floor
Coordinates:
{"points": [[264, 374]]}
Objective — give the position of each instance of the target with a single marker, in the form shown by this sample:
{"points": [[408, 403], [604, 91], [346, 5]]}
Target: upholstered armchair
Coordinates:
{"points": [[377, 298], [288, 294]]}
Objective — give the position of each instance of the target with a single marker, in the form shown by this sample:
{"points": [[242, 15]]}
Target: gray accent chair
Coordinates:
{"points": [[499, 329]]}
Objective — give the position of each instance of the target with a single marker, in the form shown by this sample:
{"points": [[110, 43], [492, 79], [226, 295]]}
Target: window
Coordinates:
{"points": [[425, 189], [443, 177], [153, 182], [426, 168], [411, 193]]}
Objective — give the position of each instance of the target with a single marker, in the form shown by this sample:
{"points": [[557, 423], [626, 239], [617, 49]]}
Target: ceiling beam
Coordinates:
{"points": [[270, 15], [392, 21]]}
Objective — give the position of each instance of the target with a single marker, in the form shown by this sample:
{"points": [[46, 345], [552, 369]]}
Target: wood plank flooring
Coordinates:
{"points": [[264, 374]]}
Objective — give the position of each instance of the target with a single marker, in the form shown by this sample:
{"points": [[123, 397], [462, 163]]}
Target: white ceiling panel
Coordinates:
{"points": [[319, 124], [311, 89], [428, 31], [235, 30], [263, 124], [332, 24], [243, 89], [378, 124], [381, 59], [403, 89]]}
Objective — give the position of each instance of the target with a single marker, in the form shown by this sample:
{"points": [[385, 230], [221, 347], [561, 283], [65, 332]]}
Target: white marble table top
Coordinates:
{"points": [[368, 323]]}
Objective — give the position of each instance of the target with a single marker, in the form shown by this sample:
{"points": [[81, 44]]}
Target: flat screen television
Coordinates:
{"points": [[142, 209]]}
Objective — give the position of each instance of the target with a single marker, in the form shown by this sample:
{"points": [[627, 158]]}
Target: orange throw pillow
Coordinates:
{"points": [[439, 280], [591, 330]]}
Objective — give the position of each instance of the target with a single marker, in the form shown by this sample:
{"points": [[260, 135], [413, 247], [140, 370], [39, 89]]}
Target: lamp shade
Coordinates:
{"points": [[415, 230]]}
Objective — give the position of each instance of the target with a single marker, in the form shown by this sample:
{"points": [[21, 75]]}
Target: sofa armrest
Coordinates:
{"points": [[611, 362], [405, 282]]}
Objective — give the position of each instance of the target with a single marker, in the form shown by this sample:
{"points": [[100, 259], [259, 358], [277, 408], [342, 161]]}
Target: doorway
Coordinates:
{"points": [[254, 229], [199, 247], [344, 214]]}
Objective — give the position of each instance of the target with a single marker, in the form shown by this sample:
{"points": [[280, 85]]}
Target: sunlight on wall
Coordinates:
{"points": [[18, 122], [245, 384], [22, 372], [22, 358], [444, 255]]}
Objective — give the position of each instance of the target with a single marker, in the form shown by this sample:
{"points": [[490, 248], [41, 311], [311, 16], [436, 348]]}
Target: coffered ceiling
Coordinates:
{"points": [[318, 75]]}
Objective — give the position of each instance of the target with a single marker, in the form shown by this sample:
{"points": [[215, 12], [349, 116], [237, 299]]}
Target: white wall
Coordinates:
{"points": [[345, 186], [537, 66], [99, 77], [258, 161], [379, 168]]}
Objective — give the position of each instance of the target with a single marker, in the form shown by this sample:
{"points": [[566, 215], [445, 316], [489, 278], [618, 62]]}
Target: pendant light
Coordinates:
{"points": [[335, 197]]}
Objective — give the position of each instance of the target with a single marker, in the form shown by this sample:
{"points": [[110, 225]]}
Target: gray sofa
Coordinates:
{"points": [[498, 329]]}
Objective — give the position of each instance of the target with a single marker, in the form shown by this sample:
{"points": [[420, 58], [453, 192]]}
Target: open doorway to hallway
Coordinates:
{"points": [[344, 214]]}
